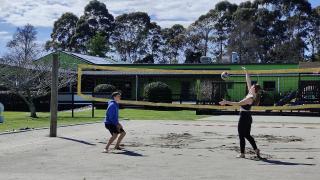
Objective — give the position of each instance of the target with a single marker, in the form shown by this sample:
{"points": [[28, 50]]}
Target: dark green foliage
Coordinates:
{"points": [[130, 37], [104, 88], [193, 57], [148, 59], [97, 46], [96, 19], [63, 30], [174, 40], [157, 92], [260, 31]]}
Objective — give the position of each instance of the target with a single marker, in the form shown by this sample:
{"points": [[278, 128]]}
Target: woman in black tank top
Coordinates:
{"points": [[245, 120]]}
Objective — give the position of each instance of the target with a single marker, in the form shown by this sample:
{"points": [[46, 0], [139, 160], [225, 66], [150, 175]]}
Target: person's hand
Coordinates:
{"points": [[223, 102], [244, 68]]}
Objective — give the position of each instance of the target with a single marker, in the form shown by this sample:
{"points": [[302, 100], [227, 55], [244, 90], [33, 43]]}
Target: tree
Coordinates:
{"points": [[192, 57], [265, 33], [130, 36], [97, 46], [96, 19], [290, 26], [24, 76], [223, 26], [193, 49], [174, 41], [148, 59], [155, 43], [63, 30], [241, 39], [313, 36], [205, 28]]}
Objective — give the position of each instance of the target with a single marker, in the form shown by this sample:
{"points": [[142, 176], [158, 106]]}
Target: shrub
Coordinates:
{"points": [[157, 92], [104, 88]]}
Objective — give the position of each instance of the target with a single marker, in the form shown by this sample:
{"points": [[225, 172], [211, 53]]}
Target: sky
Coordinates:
{"points": [[42, 13]]}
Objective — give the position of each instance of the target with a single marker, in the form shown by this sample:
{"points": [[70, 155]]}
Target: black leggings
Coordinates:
{"points": [[244, 129]]}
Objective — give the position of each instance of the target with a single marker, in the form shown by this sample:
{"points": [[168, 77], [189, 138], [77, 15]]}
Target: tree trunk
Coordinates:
{"points": [[32, 108]]}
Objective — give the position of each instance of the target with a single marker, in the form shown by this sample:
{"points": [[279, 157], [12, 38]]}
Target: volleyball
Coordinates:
{"points": [[225, 75]]}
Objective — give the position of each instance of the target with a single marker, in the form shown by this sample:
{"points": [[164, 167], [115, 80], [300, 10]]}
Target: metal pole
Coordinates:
{"points": [[54, 96], [278, 84], [92, 110], [72, 99], [137, 84]]}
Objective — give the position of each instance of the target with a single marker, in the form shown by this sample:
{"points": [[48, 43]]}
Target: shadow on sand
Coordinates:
{"points": [[129, 153], [284, 163], [78, 141]]}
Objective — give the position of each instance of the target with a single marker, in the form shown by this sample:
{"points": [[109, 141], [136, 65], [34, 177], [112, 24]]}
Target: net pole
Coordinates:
{"points": [[54, 96]]}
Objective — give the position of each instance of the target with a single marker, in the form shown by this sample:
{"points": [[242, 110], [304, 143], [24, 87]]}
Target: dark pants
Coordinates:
{"points": [[244, 129]]}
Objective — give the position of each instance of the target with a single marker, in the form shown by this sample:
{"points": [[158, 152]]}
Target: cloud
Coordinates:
{"points": [[42, 13], [4, 35]]}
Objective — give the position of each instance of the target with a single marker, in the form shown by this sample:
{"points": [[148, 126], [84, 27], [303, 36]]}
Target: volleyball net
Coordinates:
{"points": [[283, 89]]}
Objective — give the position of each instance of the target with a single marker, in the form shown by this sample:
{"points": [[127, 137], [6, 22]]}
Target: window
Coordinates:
{"points": [[269, 85]]}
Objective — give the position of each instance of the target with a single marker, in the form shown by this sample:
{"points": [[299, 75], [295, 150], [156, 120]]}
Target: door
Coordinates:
{"points": [[185, 91]]}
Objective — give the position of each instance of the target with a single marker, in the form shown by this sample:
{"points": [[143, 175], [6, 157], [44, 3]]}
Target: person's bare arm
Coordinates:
{"points": [[245, 101], [248, 79]]}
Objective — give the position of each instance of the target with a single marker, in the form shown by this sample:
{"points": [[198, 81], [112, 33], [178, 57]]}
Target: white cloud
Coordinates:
{"points": [[44, 12], [4, 35]]}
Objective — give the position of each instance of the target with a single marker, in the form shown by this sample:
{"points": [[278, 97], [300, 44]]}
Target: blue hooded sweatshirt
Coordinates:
{"points": [[112, 113]]}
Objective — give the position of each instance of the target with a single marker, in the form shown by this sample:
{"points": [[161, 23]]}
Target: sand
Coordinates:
{"points": [[202, 149]]}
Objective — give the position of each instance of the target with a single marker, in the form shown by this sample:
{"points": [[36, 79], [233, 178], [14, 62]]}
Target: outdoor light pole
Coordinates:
{"points": [[54, 95]]}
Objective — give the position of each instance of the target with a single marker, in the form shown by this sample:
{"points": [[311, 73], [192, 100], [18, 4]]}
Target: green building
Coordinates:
{"points": [[190, 87]]}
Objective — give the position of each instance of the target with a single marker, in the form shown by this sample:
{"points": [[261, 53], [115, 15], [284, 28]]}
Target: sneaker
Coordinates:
{"points": [[241, 156], [258, 153], [118, 148], [105, 150]]}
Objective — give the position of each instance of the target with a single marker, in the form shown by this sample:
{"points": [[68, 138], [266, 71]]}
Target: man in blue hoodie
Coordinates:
{"points": [[112, 122]]}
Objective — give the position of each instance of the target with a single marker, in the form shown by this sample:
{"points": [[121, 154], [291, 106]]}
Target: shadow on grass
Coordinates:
{"points": [[81, 117], [78, 141], [284, 163], [130, 153]]}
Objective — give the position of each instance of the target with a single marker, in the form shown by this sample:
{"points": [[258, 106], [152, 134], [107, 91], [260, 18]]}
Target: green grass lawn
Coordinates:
{"points": [[18, 120]]}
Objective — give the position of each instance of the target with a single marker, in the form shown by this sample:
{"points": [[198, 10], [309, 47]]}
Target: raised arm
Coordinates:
{"points": [[248, 79]]}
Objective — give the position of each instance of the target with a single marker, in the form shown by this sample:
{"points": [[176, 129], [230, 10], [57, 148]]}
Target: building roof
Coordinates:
{"points": [[93, 59], [72, 60]]}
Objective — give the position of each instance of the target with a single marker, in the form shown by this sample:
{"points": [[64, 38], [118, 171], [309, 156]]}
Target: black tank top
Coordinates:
{"points": [[247, 107]]}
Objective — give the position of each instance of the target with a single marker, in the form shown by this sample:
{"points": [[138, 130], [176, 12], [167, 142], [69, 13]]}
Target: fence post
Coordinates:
{"points": [[137, 88], [92, 111], [72, 103]]}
